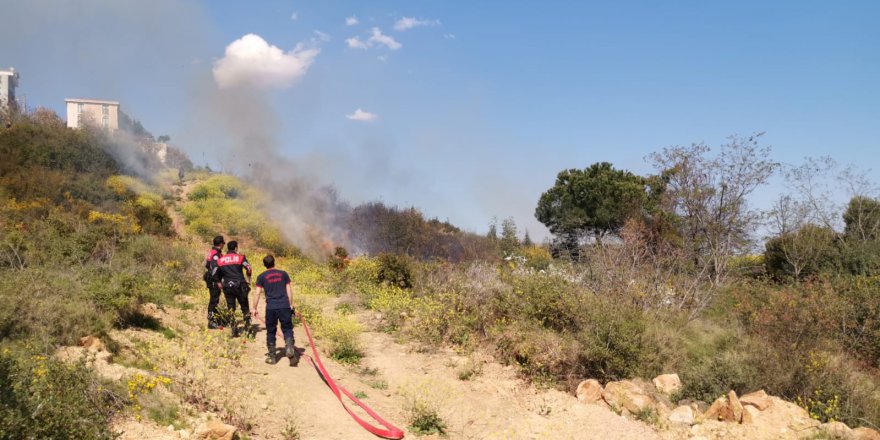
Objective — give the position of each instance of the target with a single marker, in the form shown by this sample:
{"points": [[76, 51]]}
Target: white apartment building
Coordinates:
{"points": [[8, 83], [104, 114]]}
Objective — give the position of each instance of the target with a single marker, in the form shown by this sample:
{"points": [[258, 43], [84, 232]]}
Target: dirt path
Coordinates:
{"points": [[491, 405], [177, 223]]}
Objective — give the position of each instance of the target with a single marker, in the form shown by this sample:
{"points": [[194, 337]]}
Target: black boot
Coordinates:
{"points": [[270, 355], [212, 324], [291, 352], [248, 328]]}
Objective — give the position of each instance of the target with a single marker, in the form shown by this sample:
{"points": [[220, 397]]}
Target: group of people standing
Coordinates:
{"points": [[231, 273]]}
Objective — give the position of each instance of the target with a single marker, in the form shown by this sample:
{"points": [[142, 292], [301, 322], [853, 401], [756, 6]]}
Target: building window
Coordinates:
{"points": [[105, 109], [79, 107], [106, 122]]}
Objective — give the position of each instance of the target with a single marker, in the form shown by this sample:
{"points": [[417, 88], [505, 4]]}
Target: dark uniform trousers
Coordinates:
{"points": [[273, 317], [237, 291], [214, 292]]}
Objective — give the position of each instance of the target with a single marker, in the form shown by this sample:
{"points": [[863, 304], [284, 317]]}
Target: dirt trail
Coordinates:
{"points": [[494, 404], [177, 223]]}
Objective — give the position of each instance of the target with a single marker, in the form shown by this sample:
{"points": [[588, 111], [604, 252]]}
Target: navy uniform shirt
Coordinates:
{"points": [[275, 282]]}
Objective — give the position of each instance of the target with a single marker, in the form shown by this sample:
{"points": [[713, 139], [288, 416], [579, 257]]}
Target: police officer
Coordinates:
{"points": [[212, 279], [276, 284], [232, 268]]}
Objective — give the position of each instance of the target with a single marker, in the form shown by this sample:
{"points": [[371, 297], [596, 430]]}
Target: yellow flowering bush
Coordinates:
{"points": [[141, 384]]}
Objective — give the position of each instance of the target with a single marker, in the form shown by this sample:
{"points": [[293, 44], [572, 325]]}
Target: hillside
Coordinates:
{"points": [[102, 323]]}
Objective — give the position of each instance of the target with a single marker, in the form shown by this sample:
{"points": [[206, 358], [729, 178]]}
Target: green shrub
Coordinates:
{"points": [[709, 378], [395, 270], [224, 204], [613, 341], [861, 257], [806, 252], [43, 398]]}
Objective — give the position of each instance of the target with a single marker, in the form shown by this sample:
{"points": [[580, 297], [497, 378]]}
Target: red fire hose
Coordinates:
{"points": [[389, 431]]}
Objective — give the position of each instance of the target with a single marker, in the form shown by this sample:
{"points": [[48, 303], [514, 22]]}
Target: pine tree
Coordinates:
{"points": [[527, 241]]}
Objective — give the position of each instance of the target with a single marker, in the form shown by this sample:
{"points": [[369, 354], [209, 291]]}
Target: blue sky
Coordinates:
{"points": [[480, 107]]}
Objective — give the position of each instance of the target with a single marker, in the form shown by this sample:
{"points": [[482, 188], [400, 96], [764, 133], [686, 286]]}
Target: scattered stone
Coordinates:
{"points": [[727, 409], [589, 391], [715, 410], [758, 399], [215, 430], [863, 433], [627, 395], [750, 414], [836, 429], [667, 383], [92, 344], [170, 428], [736, 408], [682, 414]]}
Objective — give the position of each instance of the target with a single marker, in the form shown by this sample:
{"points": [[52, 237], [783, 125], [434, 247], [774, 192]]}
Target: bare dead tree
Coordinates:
{"points": [[710, 196]]}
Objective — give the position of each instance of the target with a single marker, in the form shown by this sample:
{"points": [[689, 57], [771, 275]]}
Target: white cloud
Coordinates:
{"points": [[251, 61], [356, 43], [294, 16], [321, 36], [360, 115], [351, 21], [410, 22], [380, 38], [382, 58], [449, 36]]}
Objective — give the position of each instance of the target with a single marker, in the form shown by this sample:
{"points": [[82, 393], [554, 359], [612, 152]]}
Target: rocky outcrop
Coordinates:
{"points": [[836, 430], [683, 414], [755, 415], [627, 395], [758, 399], [215, 430], [589, 391], [667, 384], [96, 356], [865, 434]]}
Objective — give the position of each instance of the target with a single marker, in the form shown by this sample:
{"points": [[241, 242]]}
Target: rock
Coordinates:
{"points": [[758, 399], [749, 414], [736, 407], [627, 395], [865, 434], [215, 430], [715, 410], [727, 409], [682, 414], [151, 309], [170, 428], [667, 383], [589, 391], [92, 344], [836, 429]]}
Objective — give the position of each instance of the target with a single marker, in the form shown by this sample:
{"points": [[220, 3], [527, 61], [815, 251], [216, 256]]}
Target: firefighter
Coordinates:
{"points": [[232, 268], [279, 299], [212, 279]]}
